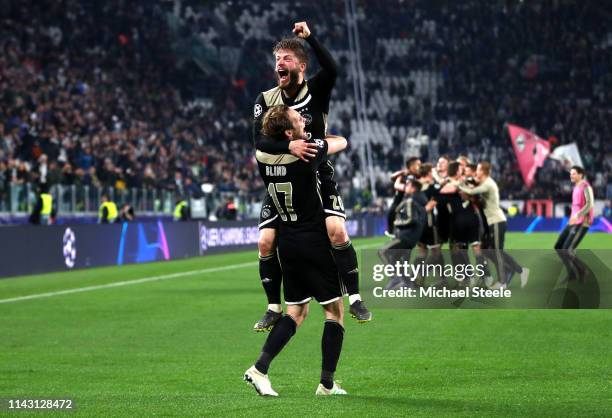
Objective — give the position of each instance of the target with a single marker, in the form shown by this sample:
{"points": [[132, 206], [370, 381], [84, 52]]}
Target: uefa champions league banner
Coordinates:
{"points": [[42, 249], [528, 279], [226, 236]]}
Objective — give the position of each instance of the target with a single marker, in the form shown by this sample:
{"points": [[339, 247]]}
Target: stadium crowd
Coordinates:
{"points": [[116, 106]]}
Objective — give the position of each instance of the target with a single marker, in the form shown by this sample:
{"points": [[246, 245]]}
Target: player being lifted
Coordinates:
{"points": [[303, 248], [311, 99]]}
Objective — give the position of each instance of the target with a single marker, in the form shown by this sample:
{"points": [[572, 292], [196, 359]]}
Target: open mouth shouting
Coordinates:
{"points": [[283, 76]]}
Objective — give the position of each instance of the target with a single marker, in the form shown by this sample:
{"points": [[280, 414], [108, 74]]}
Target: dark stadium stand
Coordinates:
{"points": [[147, 97]]}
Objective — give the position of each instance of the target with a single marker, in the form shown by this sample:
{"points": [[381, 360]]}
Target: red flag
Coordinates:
{"points": [[530, 150]]}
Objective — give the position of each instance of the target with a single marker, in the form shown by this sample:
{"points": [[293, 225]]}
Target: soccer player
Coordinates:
{"points": [[469, 177], [411, 171], [464, 226], [303, 248], [580, 220], [440, 174], [487, 188], [410, 219], [311, 99], [430, 241]]}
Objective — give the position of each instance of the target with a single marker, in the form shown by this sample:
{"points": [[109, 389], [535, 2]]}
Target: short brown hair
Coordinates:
{"points": [[425, 169], [294, 45], [578, 170], [276, 121], [485, 166], [453, 168]]}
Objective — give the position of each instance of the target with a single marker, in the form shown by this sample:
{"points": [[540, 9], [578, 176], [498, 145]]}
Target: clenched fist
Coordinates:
{"points": [[301, 29]]}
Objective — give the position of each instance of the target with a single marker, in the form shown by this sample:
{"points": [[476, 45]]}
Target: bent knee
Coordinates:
{"points": [[335, 311], [298, 315], [336, 230], [266, 243]]}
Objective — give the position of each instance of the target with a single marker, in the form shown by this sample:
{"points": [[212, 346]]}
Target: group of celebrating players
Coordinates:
{"points": [[456, 202], [303, 243]]}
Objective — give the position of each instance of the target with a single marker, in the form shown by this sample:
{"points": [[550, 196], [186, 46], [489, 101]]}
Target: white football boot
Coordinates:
{"points": [[335, 390], [259, 381]]}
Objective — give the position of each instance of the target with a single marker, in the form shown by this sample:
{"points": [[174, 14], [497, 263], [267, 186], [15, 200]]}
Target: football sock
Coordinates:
{"points": [[275, 307], [278, 338], [354, 298], [271, 277], [346, 261], [331, 346]]}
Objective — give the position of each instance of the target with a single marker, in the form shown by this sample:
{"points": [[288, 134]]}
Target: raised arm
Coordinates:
{"points": [[329, 68]]}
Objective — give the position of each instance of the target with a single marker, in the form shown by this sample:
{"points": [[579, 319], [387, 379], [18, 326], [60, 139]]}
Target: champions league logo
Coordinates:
{"points": [[257, 110], [69, 248]]}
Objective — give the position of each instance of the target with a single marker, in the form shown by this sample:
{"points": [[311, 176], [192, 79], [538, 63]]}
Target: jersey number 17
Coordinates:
{"points": [[287, 189]]}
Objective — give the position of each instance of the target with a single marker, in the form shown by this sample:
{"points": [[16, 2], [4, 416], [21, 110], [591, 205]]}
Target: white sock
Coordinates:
{"points": [[354, 298], [274, 307]]}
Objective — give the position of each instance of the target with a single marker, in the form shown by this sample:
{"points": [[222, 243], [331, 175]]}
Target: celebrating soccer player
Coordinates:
{"points": [[487, 188], [310, 98], [303, 248]]}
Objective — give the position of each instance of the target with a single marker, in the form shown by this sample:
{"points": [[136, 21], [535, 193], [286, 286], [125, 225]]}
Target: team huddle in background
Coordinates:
{"points": [[457, 202]]}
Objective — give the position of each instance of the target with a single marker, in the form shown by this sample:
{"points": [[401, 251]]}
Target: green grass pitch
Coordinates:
{"points": [[179, 347]]}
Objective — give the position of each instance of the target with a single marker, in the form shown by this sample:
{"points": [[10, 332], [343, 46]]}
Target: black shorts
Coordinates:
{"points": [[309, 270], [465, 230], [268, 215], [332, 201], [430, 236]]}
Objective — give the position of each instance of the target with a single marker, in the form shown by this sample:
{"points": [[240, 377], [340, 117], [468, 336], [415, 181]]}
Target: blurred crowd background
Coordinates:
{"points": [[154, 98]]}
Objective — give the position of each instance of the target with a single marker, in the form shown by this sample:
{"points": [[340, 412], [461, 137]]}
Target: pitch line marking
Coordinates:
{"points": [[129, 282], [143, 280]]}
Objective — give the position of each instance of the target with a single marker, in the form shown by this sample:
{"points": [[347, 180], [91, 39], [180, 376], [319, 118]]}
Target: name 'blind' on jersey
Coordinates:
{"points": [[293, 186]]}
